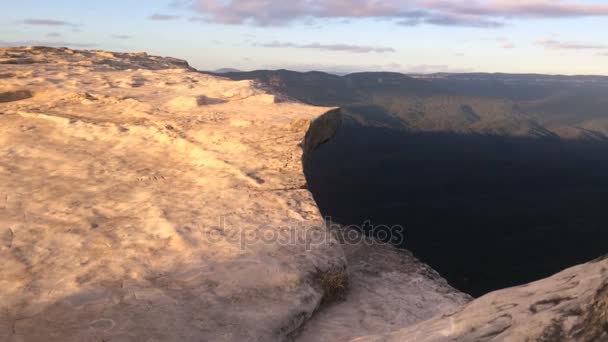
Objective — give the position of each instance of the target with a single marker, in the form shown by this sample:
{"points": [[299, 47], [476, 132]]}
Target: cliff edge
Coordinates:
{"points": [[141, 200], [570, 306]]}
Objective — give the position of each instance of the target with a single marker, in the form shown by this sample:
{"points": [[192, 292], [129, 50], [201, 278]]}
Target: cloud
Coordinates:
{"points": [[199, 19], [121, 36], [433, 68], [163, 17], [561, 45], [473, 13], [454, 19], [338, 69], [343, 69], [331, 47], [505, 43], [47, 22], [45, 43], [53, 34], [521, 8]]}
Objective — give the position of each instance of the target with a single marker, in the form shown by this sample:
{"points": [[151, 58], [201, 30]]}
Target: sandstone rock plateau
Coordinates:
{"points": [[143, 201]]}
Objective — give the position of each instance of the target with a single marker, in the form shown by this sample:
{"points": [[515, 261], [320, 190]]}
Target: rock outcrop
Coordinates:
{"points": [[570, 306], [389, 289], [141, 200]]}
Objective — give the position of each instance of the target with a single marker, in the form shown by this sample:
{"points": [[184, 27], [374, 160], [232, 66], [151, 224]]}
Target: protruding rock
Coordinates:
{"points": [[136, 198], [570, 306]]}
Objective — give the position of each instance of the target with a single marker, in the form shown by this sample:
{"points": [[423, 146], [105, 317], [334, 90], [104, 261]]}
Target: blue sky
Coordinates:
{"points": [[543, 36]]}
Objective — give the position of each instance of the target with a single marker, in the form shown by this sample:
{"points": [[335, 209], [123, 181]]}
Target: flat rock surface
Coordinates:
{"points": [[135, 195]]}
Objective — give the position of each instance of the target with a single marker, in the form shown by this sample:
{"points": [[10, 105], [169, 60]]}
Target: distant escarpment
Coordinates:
{"points": [[498, 104]]}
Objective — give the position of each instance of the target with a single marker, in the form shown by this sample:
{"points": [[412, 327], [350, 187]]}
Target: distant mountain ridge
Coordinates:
{"points": [[320, 88], [513, 77], [225, 70], [572, 107]]}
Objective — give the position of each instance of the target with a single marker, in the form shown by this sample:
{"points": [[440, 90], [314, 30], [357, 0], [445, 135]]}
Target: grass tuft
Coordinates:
{"points": [[334, 284]]}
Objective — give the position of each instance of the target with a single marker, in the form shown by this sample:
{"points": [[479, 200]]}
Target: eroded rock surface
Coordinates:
{"points": [[570, 306], [389, 289], [133, 194]]}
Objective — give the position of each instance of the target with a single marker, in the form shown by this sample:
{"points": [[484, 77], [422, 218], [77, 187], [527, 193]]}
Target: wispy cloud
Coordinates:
{"points": [[454, 19], [338, 69], [562, 45], [53, 34], [330, 47], [476, 13], [46, 43], [121, 36], [47, 22], [198, 19], [163, 17], [345, 68], [505, 43], [432, 68], [521, 8]]}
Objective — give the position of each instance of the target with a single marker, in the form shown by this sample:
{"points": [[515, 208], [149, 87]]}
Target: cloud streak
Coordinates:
{"points": [[45, 43], [121, 36], [475, 13], [505, 43], [163, 17], [47, 22], [331, 47], [560, 45]]}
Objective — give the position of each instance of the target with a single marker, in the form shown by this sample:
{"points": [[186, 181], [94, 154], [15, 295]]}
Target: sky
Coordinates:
{"points": [[411, 36]]}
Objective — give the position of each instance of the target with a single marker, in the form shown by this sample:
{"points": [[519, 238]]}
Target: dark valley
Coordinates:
{"points": [[497, 179]]}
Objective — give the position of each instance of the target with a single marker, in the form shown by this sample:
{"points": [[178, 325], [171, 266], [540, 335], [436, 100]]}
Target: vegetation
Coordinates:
{"points": [[334, 284]]}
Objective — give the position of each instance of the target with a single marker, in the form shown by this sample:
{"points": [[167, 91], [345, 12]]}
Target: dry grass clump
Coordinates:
{"points": [[334, 284]]}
